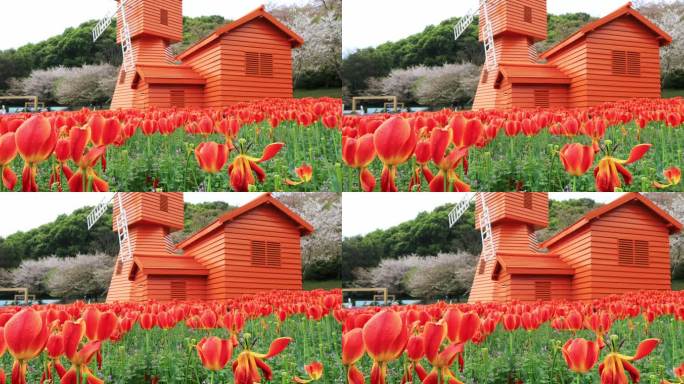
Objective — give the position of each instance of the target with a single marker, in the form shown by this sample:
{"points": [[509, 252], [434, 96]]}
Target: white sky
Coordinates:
{"points": [[32, 21], [24, 211], [369, 23], [363, 213]]}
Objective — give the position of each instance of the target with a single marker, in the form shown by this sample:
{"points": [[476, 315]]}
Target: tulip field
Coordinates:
{"points": [[270, 145], [632, 338], [635, 145], [277, 337]]}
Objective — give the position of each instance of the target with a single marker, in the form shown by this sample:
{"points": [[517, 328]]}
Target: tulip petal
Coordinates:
{"points": [[638, 152]]}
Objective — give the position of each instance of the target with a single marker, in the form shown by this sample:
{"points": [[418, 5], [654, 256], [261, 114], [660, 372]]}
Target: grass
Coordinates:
{"points": [[678, 285], [320, 92], [310, 285], [670, 93]]}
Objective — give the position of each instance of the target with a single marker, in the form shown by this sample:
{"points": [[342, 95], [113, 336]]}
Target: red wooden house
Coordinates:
{"points": [[614, 58], [251, 249], [250, 58], [620, 247]]}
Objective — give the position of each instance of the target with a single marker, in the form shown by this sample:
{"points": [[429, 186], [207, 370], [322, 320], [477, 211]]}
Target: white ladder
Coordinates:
{"points": [[488, 252], [122, 231], [126, 45], [490, 48]]}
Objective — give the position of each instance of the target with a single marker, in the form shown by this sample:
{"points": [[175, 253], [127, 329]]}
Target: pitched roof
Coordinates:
{"points": [[670, 222], [265, 199], [530, 73], [529, 263], [167, 74], [260, 12], [166, 265], [663, 37]]}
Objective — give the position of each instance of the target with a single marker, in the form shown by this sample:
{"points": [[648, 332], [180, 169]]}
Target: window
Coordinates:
{"points": [[178, 290], [542, 98], [266, 254], [163, 203], [542, 290], [483, 265], [164, 17], [626, 63], [528, 200], [122, 77], [485, 76], [528, 14], [633, 252], [177, 98], [258, 64], [119, 266]]}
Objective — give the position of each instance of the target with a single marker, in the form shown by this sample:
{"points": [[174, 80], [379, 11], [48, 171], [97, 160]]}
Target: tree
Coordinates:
{"points": [[81, 277], [33, 274], [87, 85], [448, 86]]}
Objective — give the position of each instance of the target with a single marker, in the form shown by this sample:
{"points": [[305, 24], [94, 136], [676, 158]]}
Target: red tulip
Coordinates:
{"points": [[385, 337], [315, 372], [441, 360], [35, 141], [581, 355], [577, 158], [248, 365], [466, 133], [214, 353], [415, 351], [353, 350], [673, 175], [461, 327], [80, 359], [394, 141], [446, 179], [240, 171], [55, 349], [613, 368], [211, 156], [609, 169], [305, 173], [360, 153], [26, 334], [8, 151]]}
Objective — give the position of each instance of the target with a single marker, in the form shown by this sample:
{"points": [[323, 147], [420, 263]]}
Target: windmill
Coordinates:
{"points": [[485, 27], [484, 219], [121, 223], [126, 45]]}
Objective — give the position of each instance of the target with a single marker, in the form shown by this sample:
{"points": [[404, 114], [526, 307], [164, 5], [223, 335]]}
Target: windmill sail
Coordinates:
{"points": [[487, 32], [126, 45]]}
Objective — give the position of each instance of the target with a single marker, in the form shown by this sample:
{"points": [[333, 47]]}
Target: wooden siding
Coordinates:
{"points": [[538, 96], [161, 96], [264, 223], [144, 18], [160, 288], [223, 64], [144, 207], [210, 252], [511, 207], [628, 35], [524, 288], [120, 288], [484, 289], [508, 17], [574, 64], [632, 222]]}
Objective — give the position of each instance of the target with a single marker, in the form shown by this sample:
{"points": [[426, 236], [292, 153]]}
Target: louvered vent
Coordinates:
{"points": [[177, 98], [483, 265], [641, 253], [259, 253], [273, 254], [266, 65], [122, 77], [251, 63], [542, 290], [163, 203], [625, 252], [164, 17], [542, 98], [634, 63], [619, 63], [179, 290], [528, 200], [528, 14]]}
